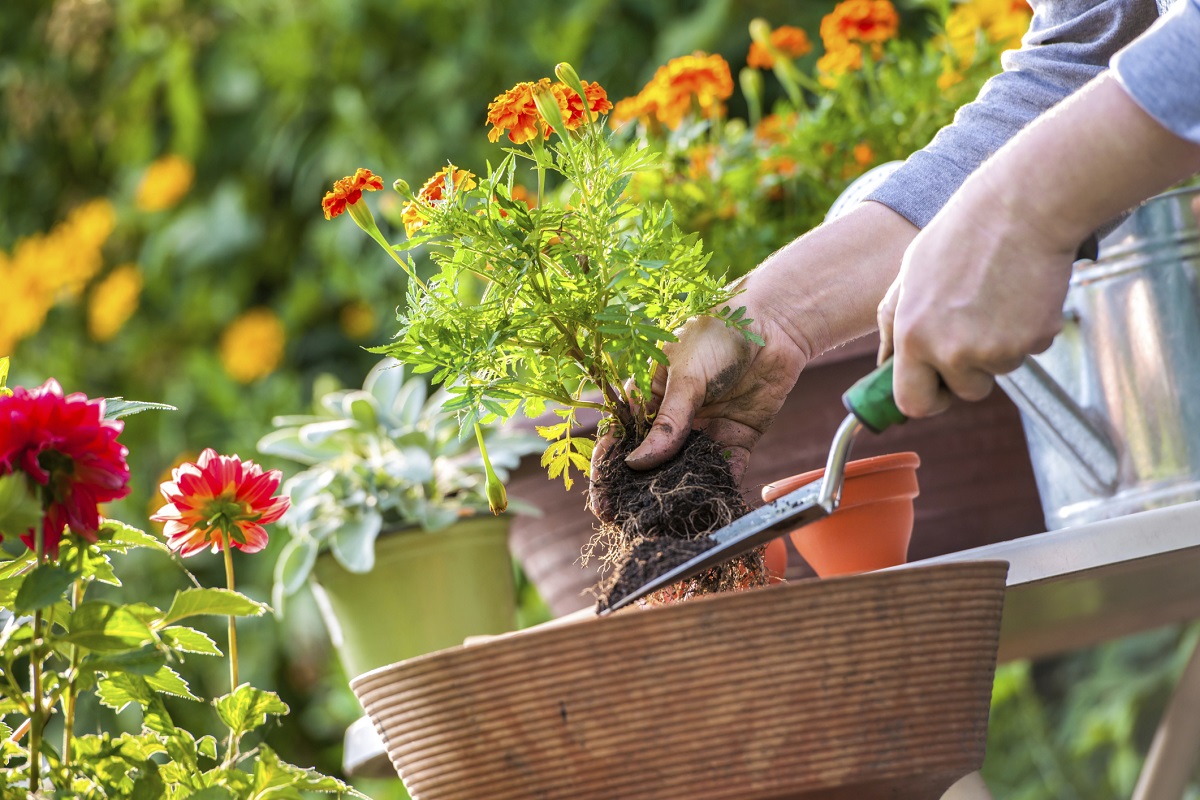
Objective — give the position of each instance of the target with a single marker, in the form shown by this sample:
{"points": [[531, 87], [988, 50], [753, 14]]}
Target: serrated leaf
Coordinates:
{"points": [[98, 625], [207, 746], [247, 708], [188, 640], [117, 532], [222, 602], [272, 773], [118, 691], [42, 587], [117, 407], [167, 681]]}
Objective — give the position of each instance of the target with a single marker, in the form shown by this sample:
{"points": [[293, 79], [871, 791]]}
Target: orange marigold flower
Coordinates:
{"points": [[437, 189], [838, 62], [640, 106], [347, 191], [863, 154], [787, 39], [773, 128], [515, 112], [697, 81], [859, 21]]}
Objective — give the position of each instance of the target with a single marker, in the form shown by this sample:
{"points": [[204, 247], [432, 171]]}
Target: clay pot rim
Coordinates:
{"points": [[906, 459]]}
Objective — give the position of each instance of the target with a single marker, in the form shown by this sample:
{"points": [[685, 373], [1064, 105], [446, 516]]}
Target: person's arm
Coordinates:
{"points": [[983, 285], [1069, 43]]}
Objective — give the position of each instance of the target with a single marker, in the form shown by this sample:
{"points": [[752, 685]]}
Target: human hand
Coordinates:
{"points": [[818, 292], [977, 291]]}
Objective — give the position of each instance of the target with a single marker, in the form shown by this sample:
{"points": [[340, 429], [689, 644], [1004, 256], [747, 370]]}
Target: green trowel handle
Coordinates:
{"points": [[871, 400]]}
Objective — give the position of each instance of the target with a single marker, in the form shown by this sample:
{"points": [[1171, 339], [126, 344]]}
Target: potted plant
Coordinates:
{"points": [[389, 521]]}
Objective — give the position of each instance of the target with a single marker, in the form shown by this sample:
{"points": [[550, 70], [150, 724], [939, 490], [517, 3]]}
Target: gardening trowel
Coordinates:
{"points": [[871, 406]]}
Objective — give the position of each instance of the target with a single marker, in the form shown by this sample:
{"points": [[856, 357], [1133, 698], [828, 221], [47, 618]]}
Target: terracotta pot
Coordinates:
{"points": [[873, 523]]}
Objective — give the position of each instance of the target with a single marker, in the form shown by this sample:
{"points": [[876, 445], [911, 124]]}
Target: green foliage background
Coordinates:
{"points": [[274, 99]]}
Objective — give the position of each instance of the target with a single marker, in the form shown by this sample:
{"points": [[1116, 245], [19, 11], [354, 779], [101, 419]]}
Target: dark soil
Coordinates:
{"points": [[651, 521]]}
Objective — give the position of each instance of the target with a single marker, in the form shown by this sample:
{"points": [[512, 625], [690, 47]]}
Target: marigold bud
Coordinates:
{"points": [[402, 188], [760, 31]]}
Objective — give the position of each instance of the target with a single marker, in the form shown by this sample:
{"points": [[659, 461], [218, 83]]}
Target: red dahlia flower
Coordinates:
{"points": [[70, 451], [216, 498]]}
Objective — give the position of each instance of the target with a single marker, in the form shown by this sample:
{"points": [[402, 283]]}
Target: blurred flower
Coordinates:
{"points": [[46, 268], [837, 62], [1000, 22], [787, 39], [70, 451], [697, 82], [514, 112], [870, 22], [219, 498], [357, 319], [164, 183], [774, 128], [113, 301], [701, 160], [863, 154], [449, 180], [347, 191], [252, 346]]}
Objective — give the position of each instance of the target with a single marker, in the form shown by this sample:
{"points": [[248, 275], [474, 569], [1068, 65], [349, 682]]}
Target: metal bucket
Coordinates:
{"points": [[1129, 356]]}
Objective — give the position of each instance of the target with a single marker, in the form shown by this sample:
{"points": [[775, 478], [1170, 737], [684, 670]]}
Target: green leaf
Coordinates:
{"points": [[119, 533], [272, 774], [98, 625], [354, 542], [42, 587], [207, 746], [246, 708], [195, 602], [118, 691], [167, 681], [117, 407], [295, 564], [146, 660], [188, 640]]}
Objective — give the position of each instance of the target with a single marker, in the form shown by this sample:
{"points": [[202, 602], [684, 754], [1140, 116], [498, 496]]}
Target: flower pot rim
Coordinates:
{"points": [[906, 459]]}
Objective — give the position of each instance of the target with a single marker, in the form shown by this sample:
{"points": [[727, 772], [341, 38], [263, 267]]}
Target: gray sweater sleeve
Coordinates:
{"points": [[1161, 70], [1069, 42]]}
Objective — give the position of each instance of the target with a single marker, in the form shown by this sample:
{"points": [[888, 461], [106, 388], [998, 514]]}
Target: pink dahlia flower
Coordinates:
{"points": [[70, 451], [219, 497]]}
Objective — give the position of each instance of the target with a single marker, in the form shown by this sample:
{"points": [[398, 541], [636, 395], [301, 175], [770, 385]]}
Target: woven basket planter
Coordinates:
{"points": [[871, 686]]}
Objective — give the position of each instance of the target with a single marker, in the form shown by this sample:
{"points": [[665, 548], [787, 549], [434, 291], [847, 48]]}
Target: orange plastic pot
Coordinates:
{"points": [[873, 523]]}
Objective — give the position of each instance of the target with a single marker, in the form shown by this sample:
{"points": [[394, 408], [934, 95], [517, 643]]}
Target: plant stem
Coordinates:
{"points": [[233, 653], [37, 719], [72, 684]]}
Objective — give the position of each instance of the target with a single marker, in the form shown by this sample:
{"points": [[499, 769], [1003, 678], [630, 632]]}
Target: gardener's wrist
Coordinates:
{"points": [[824, 288]]}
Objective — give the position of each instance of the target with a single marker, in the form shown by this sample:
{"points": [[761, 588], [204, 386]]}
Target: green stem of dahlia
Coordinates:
{"points": [[227, 549], [73, 683], [37, 717]]}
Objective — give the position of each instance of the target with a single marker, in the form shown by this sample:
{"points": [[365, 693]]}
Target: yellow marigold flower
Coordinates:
{"points": [[357, 319], [164, 183], [859, 22], [837, 62], [787, 39], [436, 190], [252, 346], [113, 301]]}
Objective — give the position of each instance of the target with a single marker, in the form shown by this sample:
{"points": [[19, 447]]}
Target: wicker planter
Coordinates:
{"points": [[869, 686]]}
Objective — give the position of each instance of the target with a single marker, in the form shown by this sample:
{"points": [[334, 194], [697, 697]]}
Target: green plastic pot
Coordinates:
{"points": [[428, 591]]}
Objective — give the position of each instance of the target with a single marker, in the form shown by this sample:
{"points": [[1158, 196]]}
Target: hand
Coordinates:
{"points": [[982, 286], [818, 292], [977, 292]]}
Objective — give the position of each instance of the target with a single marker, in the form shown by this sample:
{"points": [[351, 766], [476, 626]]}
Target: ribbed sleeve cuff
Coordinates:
{"points": [[1161, 70]]}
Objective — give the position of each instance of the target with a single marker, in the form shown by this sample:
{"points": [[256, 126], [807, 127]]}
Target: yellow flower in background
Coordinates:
{"points": [[113, 301], [164, 183], [357, 319], [838, 62], [46, 268], [252, 346], [1001, 22]]}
